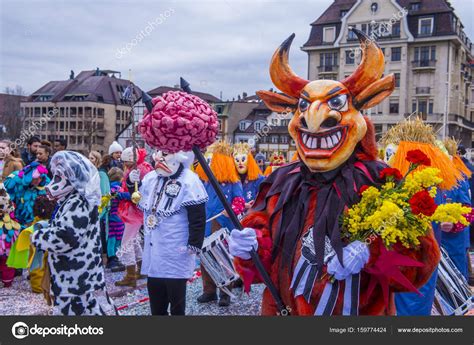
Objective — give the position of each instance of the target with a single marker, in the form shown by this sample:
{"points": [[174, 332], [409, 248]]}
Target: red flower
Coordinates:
{"points": [[422, 203], [418, 157], [384, 173], [363, 188]]}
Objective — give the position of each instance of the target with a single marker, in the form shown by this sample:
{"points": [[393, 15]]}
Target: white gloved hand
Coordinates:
{"points": [[241, 242], [355, 256], [134, 176]]}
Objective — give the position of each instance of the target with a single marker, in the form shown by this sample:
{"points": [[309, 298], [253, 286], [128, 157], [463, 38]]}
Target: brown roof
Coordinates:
{"points": [[94, 86], [333, 12], [163, 89]]}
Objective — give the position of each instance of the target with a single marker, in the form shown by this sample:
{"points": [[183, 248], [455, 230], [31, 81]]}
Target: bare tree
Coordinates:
{"points": [[10, 116]]}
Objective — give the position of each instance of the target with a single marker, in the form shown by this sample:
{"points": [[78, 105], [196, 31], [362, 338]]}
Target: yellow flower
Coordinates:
{"points": [[451, 213]]}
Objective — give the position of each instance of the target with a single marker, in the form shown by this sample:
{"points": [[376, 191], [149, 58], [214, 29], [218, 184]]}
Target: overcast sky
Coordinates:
{"points": [[217, 45]]}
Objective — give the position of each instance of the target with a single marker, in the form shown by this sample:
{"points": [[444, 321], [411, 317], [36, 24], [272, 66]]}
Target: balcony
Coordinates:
{"points": [[423, 65], [424, 90], [328, 69]]}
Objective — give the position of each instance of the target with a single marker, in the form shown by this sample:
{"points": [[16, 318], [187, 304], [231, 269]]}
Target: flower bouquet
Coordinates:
{"points": [[403, 208]]}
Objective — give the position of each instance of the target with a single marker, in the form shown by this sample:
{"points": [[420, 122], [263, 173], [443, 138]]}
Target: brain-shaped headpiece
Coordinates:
{"points": [[177, 122]]}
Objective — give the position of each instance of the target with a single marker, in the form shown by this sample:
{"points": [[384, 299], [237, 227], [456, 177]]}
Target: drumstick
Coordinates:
{"points": [[216, 216]]}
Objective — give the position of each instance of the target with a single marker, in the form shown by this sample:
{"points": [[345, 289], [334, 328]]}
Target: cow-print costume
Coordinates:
{"points": [[72, 240]]}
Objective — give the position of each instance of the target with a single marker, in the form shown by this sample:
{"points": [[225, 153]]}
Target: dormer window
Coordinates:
{"points": [[415, 6], [425, 26], [329, 34]]}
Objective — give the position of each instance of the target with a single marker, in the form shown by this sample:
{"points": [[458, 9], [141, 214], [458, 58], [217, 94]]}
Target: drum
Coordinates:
{"points": [[216, 259]]}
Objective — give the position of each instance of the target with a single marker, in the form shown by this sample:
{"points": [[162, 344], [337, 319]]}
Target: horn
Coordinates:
{"points": [[281, 73], [371, 66]]}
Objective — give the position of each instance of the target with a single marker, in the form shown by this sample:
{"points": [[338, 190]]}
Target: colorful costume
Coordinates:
{"points": [[173, 198], [260, 159], [24, 186], [116, 225], [294, 223], [9, 229], [223, 168], [276, 160], [397, 142], [130, 253], [249, 172], [72, 237]]}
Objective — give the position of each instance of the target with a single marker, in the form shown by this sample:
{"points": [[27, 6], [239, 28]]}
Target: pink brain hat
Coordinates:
{"points": [[177, 122]]}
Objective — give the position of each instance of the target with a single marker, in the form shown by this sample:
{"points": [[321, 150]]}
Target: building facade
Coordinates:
{"points": [[424, 46], [87, 110], [266, 131]]}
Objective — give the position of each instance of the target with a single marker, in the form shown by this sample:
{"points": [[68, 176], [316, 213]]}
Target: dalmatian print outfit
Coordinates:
{"points": [[72, 239]]}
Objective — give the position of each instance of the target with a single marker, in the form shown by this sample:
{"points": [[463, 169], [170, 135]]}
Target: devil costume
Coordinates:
{"points": [[294, 224], [72, 237]]}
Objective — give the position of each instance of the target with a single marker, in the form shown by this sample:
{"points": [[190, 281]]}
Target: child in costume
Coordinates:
{"points": [[223, 167], [173, 202], [249, 172], [130, 252], [116, 225], [397, 142], [9, 229], [294, 223], [276, 160], [72, 236], [24, 186], [43, 211]]}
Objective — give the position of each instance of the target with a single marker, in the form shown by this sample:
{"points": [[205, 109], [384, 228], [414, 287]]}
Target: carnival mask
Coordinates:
{"points": [[59, 187], [327, 124], [240, 160], [167, 164]]}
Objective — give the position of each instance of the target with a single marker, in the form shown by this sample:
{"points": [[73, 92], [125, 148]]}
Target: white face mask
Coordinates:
{"points": [[166, 164], [58, 188]]}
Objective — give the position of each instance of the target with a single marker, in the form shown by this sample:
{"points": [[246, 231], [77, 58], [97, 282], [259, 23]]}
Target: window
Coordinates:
{"points": [[274, 139], [351, 36], [425, 26], [274, 122], [328, 59], [284, 139], [396, 53], [349, 57], [397, 79], [72, 126], [100, 113], [285, 122], [243, 126], [393, 108], [433, 53], [396, 29], [430, 107], [79, 126], [73, 111], [117, 115], [258, 125], [329, 34], [415, 6], [364, 28]]}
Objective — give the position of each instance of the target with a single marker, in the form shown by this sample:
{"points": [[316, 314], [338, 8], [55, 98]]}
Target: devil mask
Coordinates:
{"points": [[327, 124]]}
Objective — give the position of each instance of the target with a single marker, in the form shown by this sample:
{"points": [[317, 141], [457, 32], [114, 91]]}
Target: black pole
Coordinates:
{"points": [[233, 217]]}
